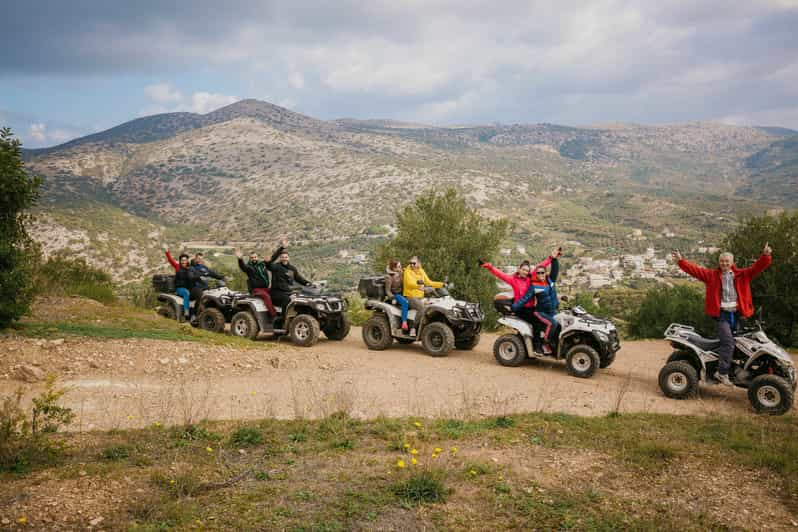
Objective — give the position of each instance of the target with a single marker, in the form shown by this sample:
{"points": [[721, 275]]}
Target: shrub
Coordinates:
{"points": [[662, 306], [246, 437], [24, 442], [426, 486], [65, 276], [356, 312]]}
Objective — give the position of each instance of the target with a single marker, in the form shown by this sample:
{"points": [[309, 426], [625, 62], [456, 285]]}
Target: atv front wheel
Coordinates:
{"points": [[377, 333], [211, 319], [304, 330], [437, 339], [678, 380], [770, 394], [582, 361], [509, 350], [467, 343], [607, 360], [339, 329], [244, 325]]}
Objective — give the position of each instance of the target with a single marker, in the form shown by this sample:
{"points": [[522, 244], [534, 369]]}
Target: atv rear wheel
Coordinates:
{"points": [[304, 330], [437, 339], [211, 319], [244, 325], [377, 333], [582, 361], [509, 350], [339, 329], [678, 380], [770, 394], [467, 343]]}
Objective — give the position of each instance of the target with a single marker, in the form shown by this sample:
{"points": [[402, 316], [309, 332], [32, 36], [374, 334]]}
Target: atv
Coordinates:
{"points": [[585, 342], [309, 312], [446, 323], [758, 364], [212, 311]]}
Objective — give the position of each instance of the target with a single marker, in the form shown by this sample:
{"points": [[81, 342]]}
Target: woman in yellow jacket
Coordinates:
{"points": [[413, 283]]}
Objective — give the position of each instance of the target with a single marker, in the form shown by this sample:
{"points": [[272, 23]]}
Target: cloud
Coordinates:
{"points": [[447, 61], [164, 98], [40, 135]]}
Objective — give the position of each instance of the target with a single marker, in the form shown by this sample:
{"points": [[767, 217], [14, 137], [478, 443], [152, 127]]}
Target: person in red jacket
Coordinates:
{"points": [[520, 282], [728, 296]]}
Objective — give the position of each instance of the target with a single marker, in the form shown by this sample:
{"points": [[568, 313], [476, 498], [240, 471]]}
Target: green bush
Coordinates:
{"points": [[356, 312], [18, 253], [426, 486], [63, 276], [246, 437], [665, 305]]}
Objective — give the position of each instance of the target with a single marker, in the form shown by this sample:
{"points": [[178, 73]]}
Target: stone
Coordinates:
{"points": [[163, 361], [28, 373], [96, 521], [57, 341], [182, 360]]}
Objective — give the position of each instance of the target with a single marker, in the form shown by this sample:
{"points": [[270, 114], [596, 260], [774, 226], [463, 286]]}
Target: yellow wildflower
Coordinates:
{"points": [[438, 450], [172, 481], [22, 520], [454, 450], [434, 455], [473, 473], [406, 445], [417, 424], [413, 451], [413, 461], [400, 464], [209, 449], [130, 417], [157, 423]]}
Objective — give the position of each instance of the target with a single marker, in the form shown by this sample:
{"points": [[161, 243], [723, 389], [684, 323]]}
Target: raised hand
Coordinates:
{"points": [[768, 250], [238, 253], [557, 253], [284, 242], [165, 247], [676, 255]]}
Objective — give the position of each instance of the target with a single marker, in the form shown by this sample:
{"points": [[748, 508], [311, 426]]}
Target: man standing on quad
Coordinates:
{"points": [[543, 291], [258, 277], [284, 275], [728, 296], [414, 280]]}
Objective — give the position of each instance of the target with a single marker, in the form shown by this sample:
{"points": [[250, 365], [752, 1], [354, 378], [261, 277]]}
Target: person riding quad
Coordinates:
{"points": [[728, 297], [284, 275], [543, 291], [393, 288], [198, 263], [186, 278], [414, 281], [258, 277], [520, 282]]}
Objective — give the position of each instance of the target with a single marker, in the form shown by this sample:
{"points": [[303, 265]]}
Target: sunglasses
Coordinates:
{"points": [[540, 272], [413, 263]]}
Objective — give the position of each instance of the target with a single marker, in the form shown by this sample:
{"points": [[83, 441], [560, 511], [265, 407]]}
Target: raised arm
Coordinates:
{"points": [[497, 272], [430, 282], [693, 270], [276, 254], [758, 267], [243, 266], [171, 260], [555, 270]]}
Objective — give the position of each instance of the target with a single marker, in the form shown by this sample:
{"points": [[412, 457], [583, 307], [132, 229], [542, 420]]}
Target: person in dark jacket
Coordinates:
{"points": [[543, 291], [198, 263], [258, 277], [284, 276], [186, 278]]}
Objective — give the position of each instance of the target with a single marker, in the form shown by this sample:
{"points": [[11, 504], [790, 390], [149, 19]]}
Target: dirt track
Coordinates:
{"points": [[130, 383]]}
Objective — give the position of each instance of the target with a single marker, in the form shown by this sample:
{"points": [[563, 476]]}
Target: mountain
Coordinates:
{"points": [[774, 168], [254, 171]]}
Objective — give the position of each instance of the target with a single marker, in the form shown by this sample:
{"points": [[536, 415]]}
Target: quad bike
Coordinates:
{"points": [[211, 311], [308, 313], [446, 323], [585, 342], [758, 364]]}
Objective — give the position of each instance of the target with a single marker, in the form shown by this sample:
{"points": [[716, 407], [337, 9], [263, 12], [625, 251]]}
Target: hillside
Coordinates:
{"points": [[254, 171]]}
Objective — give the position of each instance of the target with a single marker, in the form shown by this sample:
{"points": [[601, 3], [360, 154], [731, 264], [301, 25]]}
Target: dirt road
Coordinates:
{"points": [[132, 383]]}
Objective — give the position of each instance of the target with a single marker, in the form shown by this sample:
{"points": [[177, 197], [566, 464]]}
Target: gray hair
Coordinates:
{"points": [[726, 254]]}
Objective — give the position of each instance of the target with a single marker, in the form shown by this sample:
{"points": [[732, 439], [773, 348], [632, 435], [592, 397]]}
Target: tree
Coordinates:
{"points": [[775, 291], [449, 238], [18, 252], [665, 305]]}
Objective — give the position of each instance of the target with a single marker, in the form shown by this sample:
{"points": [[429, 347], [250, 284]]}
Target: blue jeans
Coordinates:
{"points": [[403, 302], [727, 323], [186, 295]]}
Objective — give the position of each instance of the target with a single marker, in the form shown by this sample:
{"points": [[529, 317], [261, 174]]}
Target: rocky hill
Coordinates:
{"points": [[256, 171]]}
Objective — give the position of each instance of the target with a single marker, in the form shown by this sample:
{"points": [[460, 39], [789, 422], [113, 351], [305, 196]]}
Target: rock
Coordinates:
{"points": [[57, 341], [96, 521], [94, 365], [28, 373], [6, 521], [182, 360], [163, 361]]}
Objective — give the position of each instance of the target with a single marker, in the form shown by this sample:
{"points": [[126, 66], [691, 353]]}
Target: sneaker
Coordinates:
{"points": [[546, 349], [413, 331], [404, 325], [723, 379]]}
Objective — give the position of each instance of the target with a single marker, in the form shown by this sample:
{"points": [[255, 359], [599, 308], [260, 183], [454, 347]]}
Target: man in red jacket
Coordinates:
{"points": [[728, 296]]}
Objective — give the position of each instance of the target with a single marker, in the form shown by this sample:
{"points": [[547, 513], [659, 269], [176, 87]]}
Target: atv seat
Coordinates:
{"points": [[707, 344], [503, 305]]}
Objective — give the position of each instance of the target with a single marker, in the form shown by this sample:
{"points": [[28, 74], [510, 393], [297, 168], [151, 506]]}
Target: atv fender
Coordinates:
{"points": [[174, 300], [787, 371], [258, 309], [524, 329], [689, 355]]}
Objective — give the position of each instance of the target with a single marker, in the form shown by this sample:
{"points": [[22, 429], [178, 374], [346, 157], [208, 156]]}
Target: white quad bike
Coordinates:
{"points": [[447, 323], [758, 364], [585, 342]]}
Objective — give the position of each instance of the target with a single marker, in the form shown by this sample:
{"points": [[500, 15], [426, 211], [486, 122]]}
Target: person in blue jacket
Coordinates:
{"points": [[544, 290]]}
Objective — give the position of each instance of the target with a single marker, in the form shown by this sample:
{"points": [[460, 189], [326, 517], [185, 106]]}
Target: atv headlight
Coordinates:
{"points": [[602, 336], [321, 306]]}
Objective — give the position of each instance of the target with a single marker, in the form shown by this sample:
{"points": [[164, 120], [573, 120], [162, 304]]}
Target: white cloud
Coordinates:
{"points": [[38, 132], [164, 98], [40, 135]]}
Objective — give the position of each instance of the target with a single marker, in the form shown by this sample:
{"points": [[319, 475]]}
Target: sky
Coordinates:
{"points": [[72, 68]]}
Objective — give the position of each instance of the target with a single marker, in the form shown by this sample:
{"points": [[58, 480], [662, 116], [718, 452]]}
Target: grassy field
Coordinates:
{"points": [[512, 472]]}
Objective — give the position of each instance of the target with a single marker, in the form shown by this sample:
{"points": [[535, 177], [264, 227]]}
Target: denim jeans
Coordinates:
{"points": [[405, 305], [186, 295]]}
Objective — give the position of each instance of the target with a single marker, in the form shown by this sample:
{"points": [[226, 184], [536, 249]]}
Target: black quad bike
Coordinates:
{"points": [[446, 323]]}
